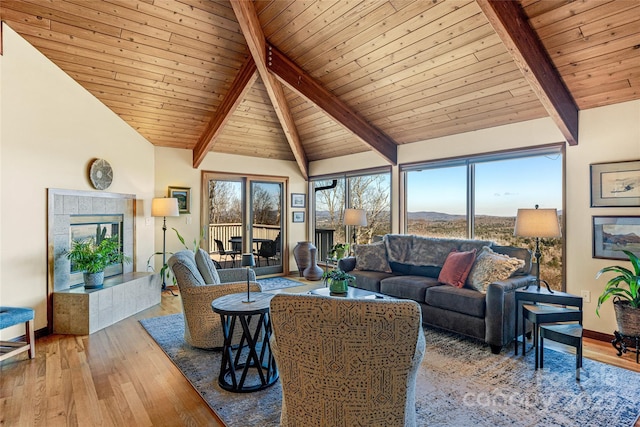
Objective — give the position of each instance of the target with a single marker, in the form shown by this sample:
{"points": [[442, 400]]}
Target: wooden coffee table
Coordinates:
{"points": [[351, 293]]}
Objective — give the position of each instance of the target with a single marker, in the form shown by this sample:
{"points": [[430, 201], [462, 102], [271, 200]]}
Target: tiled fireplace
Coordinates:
{"points": [[81, 214]]}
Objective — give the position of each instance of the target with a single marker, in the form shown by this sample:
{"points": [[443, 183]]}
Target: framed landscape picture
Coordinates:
{"points": [[615, 184], [298, 200], [298, 217], [183, 194], [613, 234]]}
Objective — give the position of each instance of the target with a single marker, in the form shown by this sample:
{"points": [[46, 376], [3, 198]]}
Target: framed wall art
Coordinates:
{"points": [[183, 194], [613, 234], [298, 217], [298, 200], [615, 184]]}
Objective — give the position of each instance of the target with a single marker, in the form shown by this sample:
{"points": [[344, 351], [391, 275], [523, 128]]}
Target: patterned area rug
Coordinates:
{"points": [[460, 383], [271, 283]]}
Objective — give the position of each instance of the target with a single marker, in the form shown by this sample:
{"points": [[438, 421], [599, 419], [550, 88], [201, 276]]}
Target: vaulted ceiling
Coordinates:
{"points": [[306, 80]]}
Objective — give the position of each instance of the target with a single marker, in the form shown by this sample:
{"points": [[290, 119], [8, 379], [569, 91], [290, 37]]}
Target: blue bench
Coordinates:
{"points": [[11, 316]]}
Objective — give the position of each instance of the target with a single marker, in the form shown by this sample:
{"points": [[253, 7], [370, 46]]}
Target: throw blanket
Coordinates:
{"points": [[418, 250]]}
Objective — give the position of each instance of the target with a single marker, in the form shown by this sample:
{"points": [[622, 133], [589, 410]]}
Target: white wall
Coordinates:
{"points": [[51, 129], [174, 167], [606, 134]]}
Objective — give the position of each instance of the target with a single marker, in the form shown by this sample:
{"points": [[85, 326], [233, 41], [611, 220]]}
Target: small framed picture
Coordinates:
{"points": [[183, 194], [298, 217], [615, 184], [613, 234], [298, 200]]}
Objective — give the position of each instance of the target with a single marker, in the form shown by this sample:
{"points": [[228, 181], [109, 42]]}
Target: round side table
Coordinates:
{"points": [[249, 365]]}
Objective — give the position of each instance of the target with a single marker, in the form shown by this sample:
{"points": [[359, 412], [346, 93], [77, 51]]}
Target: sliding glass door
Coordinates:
{"points": [[243, 214]]}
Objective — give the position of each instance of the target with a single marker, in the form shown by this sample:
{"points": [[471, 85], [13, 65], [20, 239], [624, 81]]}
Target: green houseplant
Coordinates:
{"points": [[625, 290], [339, 250], [93, 255], [338, 281]]}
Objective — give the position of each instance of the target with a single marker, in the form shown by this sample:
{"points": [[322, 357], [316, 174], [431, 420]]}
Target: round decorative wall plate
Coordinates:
{"points": [[101, 174]]}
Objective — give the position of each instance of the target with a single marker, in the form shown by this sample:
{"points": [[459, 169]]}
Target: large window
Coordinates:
{"points": [[479, 198], [332, 195]]}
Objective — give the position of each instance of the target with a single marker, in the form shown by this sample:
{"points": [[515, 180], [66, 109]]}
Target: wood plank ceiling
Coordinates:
{"points": [[306, 80]]}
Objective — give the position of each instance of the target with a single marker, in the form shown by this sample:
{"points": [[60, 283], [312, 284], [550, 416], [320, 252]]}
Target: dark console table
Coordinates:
{"points": [[249, 365]]}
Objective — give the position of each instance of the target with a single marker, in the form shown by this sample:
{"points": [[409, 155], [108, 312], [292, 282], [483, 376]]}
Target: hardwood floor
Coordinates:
{"points": [[119, 377]]}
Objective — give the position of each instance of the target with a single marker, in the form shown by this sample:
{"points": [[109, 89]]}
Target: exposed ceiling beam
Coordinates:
{"points": [[305, 85], [253, 34], [510, 23], [239, 88]]}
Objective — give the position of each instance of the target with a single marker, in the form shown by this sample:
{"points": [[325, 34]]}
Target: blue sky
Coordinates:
{"points": [[501, 187]]}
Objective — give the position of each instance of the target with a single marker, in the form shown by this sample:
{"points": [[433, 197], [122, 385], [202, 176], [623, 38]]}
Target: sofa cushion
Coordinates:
{"points": [[369, 280], [490, 267], [415, 270], [206, 268], [461, 300], [516, 252], [456, 268], [412, 287], [420, 250], [372, 257]]}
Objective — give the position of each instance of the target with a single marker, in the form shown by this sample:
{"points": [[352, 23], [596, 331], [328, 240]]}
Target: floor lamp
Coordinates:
{"points": [[537, 223], [164, 207], [355, 217]]}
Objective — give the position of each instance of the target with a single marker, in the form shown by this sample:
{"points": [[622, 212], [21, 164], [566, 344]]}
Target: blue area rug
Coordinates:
{"points": [[271, 283], [460, 383]]}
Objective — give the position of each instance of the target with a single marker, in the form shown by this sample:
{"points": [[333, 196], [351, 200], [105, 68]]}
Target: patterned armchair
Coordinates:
{"points": [[346, 362], [200, 283]]}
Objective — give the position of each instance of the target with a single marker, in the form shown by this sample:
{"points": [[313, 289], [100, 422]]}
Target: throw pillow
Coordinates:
{"points": [[456, 268], [372, 257], [515, 252], [207, 268], [490, 267]]}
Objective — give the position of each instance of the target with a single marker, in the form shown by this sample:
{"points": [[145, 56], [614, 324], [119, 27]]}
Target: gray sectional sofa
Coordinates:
{"points": [[407, 266]]}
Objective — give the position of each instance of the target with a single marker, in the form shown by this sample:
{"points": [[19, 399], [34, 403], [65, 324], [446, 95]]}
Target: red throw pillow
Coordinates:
{"points": [[456, 268]]}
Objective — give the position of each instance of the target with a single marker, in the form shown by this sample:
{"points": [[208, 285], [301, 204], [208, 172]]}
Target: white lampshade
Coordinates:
{"points": [[355, 217], [164, 206], [537, 223]]}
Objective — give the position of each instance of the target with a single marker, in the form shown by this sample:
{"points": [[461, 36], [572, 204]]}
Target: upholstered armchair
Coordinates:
{"points": [[200, 283], [346, 362]]}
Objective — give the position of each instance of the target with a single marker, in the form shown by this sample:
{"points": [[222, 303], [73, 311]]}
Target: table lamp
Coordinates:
{"points": [[248, 261], [164, 207], [537, 223], [355, 217]]}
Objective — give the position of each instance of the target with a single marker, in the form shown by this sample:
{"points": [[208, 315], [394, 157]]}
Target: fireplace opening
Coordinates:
{"points": [[96, 227]]}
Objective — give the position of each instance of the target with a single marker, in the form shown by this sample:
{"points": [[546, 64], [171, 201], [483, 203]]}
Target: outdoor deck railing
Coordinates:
{"points": [[224, 232]]}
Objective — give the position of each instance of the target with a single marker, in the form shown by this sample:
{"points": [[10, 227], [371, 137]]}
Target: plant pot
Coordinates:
{"points": [[338, 286], [628, 318], [93, 280]]}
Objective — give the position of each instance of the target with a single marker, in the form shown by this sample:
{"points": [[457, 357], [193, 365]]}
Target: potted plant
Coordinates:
{"points": [[92, 258], [338, 281], [339, 250], [625, 290]]}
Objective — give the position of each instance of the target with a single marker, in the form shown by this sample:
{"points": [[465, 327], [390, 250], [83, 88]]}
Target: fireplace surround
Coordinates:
{"points": [[67, 209]]}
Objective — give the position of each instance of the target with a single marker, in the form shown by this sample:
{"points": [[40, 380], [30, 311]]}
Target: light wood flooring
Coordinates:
{"points": [[119, 377]]}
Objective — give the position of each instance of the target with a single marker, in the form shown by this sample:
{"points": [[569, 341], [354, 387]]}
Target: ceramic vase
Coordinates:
{"points": [[313, 272], [302, 256]]}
